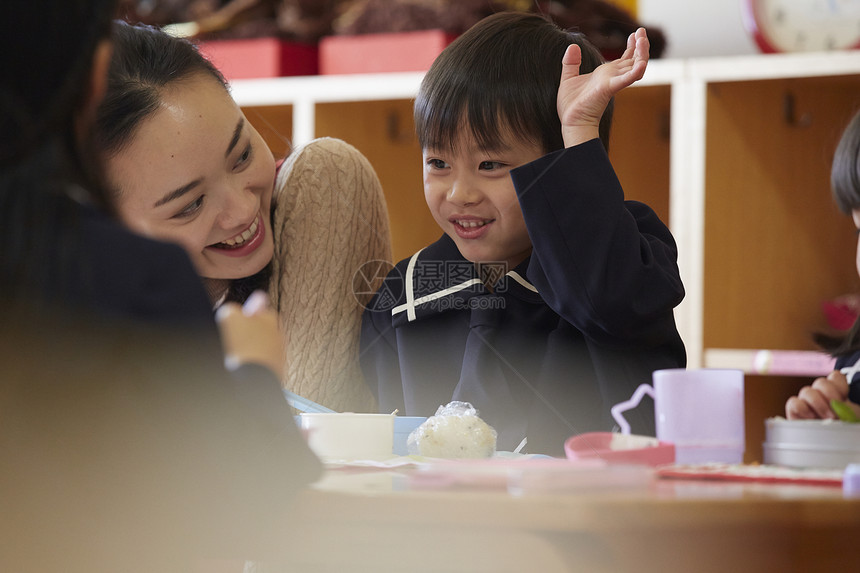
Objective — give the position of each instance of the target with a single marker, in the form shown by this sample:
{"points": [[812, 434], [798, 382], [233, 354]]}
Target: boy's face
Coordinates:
{"points": [[470, 194]]}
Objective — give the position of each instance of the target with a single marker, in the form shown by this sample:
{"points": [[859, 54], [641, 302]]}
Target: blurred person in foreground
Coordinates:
{"points": [[125, 444]]}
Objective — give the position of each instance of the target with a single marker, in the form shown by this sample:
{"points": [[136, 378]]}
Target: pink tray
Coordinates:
{"points": [[627, 449]]}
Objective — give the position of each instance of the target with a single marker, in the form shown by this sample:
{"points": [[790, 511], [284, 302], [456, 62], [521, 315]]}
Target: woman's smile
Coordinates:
{"points": [[245, 242]]}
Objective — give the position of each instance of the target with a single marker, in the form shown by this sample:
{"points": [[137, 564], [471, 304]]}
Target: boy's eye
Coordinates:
{"points": [[190, 209], [437, 163], [489, 165]]}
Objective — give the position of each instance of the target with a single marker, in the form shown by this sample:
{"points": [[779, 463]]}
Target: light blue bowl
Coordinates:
{"points": [[403, 426]]}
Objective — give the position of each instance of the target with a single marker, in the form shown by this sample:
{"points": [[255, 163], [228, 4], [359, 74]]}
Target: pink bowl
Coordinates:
{"points": [[626, 449]]}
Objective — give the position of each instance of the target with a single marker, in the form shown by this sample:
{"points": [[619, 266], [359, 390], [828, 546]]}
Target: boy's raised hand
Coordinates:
{"points": [[582, 99]]}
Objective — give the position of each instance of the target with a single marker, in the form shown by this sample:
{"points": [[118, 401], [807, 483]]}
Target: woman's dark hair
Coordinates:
{"points": [[145, 61], [501, 73], [46, 54], [845, 187]]}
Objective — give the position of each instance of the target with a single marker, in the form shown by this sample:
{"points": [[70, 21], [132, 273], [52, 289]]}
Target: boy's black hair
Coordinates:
{"points": [[503, 73]]}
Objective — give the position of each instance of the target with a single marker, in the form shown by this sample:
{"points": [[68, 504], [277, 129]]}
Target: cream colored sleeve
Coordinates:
{"points": [[330, 219]]}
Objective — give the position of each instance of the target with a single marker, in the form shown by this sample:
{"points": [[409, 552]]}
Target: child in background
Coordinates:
{"points": [[549, 298], [814, 401]]}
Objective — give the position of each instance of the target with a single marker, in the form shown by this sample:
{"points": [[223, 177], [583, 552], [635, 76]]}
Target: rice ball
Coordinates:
{"points": [[455, 431]]}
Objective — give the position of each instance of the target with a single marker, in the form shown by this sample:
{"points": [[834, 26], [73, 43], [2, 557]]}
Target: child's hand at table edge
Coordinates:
{"points": [[582, 99], [813, 402]]}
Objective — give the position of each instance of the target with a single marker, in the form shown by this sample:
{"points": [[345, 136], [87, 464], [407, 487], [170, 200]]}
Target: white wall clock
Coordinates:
{"points": [[803, 25]]}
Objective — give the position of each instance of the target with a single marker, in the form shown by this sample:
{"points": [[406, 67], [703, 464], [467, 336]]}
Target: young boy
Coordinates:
{"points": [[549, 298]]}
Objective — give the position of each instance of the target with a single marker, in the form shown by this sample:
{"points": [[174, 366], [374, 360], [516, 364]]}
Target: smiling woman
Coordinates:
{"points": [[187, 167], [184, 163], [196, 173]]}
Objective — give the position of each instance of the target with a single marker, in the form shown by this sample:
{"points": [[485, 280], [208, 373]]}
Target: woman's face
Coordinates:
{"points": [[198, 174]]}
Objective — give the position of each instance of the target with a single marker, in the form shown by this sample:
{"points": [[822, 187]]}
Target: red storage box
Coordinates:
{"points": [[372, 53], [261, 58]]}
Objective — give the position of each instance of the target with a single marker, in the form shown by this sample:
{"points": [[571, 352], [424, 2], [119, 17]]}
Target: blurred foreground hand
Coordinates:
{"points": [[250, 334]]}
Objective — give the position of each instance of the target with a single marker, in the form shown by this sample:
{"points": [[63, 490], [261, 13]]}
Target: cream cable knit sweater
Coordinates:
{"points": [[330, 220]]}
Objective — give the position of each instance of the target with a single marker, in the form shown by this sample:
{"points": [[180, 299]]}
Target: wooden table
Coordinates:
{"points": [[370, 521]]}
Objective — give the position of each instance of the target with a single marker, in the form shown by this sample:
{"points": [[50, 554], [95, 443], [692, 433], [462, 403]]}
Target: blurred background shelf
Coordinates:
{"points": [[804, 363]]}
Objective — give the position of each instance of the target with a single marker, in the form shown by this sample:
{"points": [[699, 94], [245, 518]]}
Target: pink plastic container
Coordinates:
{"points": [[620, 449]]}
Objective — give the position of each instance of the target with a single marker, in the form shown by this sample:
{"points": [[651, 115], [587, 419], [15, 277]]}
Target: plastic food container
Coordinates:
{"points": [[403, 426], [620, 448], [811, 443], [349, 436]]}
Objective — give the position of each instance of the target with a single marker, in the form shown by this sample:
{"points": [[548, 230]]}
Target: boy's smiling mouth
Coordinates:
{"points": [[471, 223], [470, 227]]}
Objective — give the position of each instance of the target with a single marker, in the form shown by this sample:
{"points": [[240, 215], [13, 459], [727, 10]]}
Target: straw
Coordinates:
{"points": [[617, 409]]}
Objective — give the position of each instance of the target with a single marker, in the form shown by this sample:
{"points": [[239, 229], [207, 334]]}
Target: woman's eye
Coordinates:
{"points": [[437, 163], [190, 209], [245, 157]]}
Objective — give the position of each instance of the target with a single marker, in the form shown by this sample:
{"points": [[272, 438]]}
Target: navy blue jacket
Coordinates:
{"points": [[849, 364], [571, 331]]}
